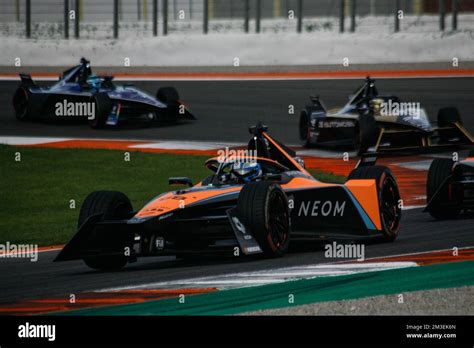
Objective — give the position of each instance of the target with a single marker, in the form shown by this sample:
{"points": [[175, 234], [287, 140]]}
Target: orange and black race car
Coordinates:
{"points": [[254, 201]]}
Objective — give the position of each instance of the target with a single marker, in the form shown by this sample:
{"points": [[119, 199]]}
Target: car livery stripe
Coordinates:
{"points": [[368, 222], [365, 192]]}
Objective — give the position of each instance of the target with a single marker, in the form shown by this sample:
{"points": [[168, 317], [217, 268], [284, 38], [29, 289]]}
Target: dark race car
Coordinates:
{"points": [[450, 187], [381, 121], [250, 204], [81, 94]]}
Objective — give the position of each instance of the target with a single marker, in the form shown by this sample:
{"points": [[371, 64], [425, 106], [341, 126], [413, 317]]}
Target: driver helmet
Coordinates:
{"points": [[247, 171], [94, 81], [376, 105]]}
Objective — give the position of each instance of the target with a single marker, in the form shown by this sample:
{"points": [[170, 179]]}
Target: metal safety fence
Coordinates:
{"points": [[115, 18]]}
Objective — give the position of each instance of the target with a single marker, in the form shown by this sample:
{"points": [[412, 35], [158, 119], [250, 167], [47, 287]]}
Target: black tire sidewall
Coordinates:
{"points": [[389, 234], [22, 92], [282, 249], [103, 202], [103, 107], [253, 207], [440, 169], [112, 205], [168, 95]]}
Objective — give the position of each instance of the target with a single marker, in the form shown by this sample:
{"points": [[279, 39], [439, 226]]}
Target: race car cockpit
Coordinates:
{"points": [[82, 75], [367, 98], [241, 171]]}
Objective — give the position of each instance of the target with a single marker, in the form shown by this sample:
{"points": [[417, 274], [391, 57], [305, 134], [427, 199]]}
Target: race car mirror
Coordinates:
{"points": [[180, 181]]}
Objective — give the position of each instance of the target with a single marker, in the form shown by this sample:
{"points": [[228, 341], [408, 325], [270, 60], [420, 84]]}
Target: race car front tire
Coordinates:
{"points": [[103, 107], [440, 170], [170, 97], [388, 197], [114, 206], [263, 207]]}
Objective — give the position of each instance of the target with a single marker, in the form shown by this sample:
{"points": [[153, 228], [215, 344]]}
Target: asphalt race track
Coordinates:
{"points": [[22, 279], [225, 108]]}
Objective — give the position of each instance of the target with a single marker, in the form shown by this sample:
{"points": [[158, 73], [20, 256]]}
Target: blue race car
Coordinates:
{"points": [[81, 94]]}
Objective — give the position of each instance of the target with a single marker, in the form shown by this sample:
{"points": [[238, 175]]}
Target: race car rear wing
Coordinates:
{"points": [[410, 140]]}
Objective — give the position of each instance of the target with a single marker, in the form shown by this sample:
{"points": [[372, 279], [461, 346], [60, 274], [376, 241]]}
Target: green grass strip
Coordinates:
{"points": [[36, 192], [306, 291]]}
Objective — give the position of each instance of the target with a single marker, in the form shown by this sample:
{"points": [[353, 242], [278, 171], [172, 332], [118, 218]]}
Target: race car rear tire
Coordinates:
{"points": [[22, 103], [368, 132], [263, 207], [114, 206], [440, 170], [170, 97], [103, 107], [448, 116], [388, 197]]}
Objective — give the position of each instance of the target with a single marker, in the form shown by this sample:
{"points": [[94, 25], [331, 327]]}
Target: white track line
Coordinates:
{"points": [[411, 207], [418, 253], [18, 140], [183, 145], [278, 275]]}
